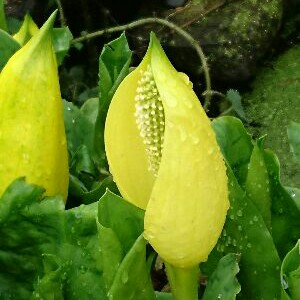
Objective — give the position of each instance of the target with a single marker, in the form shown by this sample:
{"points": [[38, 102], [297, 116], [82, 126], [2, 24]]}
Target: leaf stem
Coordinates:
{"points": [[183, 282], [227, 111], [179, 30], [63, 21]]}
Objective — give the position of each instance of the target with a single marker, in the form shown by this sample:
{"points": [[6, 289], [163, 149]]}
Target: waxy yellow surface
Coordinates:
{"points": [[186, 204], [32, 134]]}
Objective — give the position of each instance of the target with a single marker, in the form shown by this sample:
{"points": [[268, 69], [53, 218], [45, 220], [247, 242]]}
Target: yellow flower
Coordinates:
{"points": [[164, 157], [32, 135], [27, 31]]}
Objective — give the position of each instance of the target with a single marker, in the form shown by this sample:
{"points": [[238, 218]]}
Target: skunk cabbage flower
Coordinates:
{"points": [[27, 31], [32, 135], [164, 157]]}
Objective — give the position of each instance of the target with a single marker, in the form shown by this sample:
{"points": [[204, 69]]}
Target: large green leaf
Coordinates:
{"points": [[123, 249], [290, 273], [245, 230], [263, 184], [235, 143], [46, 250], [114, 64], [285, 210], [258, 184], [8, 46], [222, 283]]}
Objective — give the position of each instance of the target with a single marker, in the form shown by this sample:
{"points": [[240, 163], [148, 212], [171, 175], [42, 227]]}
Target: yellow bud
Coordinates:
{"points": [[27, 31], [164, 157], [32, 135]]}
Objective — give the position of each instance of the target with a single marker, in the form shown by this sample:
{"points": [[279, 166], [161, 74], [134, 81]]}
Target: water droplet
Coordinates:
{"points": [[211, 150], [239, 213], [255, 218], [249, 245], [183, 134], [25, 157], [284, 282], [110, 296], [83, 269], [240, 228], [78, 215]]}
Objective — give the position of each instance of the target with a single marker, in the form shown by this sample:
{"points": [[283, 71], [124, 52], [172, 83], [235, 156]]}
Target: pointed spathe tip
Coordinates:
{"points": [[49, 23], [43, 34]]}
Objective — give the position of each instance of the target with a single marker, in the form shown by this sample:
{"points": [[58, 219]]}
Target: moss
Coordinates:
{"points": [[273, 103]]}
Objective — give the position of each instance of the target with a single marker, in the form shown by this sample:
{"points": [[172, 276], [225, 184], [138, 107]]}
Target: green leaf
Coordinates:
{"points": [[295, 194], [132, 281], [79, 128], [290, 273], [235, 144], [222, 283], [82, 166], [90, 109], [123, 249], [294, 138], [3, 24], [285, 210], [258, 184], [45, 249], [245, 231], [114, 64], [8, 46], [61, 42], [99, 190], [234, 97], [13, 24], [50, 285], [125, 219]]}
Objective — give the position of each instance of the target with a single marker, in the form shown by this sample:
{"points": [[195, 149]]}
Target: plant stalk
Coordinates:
{"points": [[63, 21], [183, 282]]}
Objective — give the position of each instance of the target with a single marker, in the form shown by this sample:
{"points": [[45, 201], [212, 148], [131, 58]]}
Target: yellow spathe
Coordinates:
{"points": [[32, 134], [187, 201]]}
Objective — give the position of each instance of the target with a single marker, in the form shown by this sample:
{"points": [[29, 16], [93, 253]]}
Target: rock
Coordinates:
{"points": [[273, 103]]}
